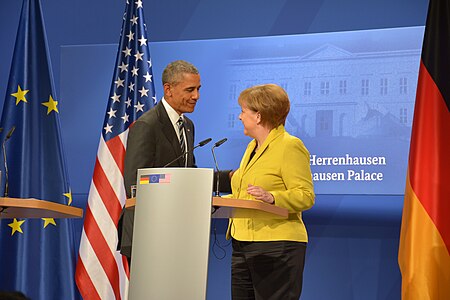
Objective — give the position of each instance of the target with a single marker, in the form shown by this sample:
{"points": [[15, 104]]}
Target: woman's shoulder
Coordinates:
{"points": [[291, 139], [293, 143]]}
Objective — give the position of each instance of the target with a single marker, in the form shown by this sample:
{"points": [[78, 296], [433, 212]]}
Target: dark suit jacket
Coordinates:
{"points": [[152, 143]]}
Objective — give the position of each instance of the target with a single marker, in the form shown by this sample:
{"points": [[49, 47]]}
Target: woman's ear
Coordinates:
{"points": [[258, 118]]}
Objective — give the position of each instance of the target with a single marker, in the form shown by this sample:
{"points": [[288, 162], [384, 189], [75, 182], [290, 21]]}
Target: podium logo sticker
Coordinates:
{"points": [[155, 178]]}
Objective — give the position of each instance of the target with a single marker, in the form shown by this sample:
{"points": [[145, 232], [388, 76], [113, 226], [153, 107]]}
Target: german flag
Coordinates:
{"points": [[425, 233]]}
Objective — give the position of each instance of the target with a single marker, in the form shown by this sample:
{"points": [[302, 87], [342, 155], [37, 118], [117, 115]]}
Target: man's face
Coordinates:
{"points": [[183, 95]]}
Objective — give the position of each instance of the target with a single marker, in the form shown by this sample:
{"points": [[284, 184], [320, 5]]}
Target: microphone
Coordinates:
{"points": [[217, 144], [201, 144], [8, 136], [10, 132]]}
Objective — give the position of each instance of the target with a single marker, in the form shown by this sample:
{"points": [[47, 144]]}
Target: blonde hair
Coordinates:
{"points": [[270, 100]]}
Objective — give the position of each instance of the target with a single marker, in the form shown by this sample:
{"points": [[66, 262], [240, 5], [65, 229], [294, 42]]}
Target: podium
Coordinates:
{"points": [[33, 208], [171, 231]]}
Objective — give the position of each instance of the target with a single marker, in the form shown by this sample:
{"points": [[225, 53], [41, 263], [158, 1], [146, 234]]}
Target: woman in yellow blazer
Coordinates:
{"points": [[268, 254]]}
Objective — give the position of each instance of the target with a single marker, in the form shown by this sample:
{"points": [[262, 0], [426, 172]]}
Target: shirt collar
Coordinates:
{"points": [[173, 115]]}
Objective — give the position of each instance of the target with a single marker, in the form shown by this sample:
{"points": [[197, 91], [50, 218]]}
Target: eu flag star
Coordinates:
{"points": [[49, 221], [20, 95], [69, 196], [15, 225], [51, 105]]}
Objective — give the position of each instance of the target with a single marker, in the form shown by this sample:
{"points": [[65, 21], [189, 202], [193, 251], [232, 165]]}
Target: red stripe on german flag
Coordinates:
{"points": [[429, 157]]}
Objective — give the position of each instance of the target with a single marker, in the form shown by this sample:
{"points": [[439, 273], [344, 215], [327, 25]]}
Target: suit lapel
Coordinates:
{"points": [[167, 128], [189, 130]]}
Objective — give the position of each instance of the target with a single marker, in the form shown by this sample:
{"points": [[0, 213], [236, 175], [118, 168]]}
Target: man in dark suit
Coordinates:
{"points": [[154, 140], [161, 135]]}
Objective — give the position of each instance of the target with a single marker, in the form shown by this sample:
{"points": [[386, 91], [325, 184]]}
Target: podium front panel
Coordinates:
{"points": [[171, 233]]}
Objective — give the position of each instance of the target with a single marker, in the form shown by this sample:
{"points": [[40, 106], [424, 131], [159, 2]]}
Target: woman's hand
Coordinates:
{"points": [[260, 194]]}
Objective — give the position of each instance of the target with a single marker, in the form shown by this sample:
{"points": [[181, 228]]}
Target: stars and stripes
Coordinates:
{"points": [[102, 272]]}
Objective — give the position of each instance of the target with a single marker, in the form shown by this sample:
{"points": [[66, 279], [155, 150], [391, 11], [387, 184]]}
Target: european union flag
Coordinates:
{"points": [[154, 178], [37, 256]]}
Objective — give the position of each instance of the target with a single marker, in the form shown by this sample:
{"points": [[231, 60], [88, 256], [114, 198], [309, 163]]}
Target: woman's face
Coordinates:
{"points": [[249, 119]]}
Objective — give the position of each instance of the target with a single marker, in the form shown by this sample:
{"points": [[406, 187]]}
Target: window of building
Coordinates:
{"points": [[233, 96], [365, 87], [325, 88], [383, 86], [231, 120], [324, 123], [307, 88], [343, 87], [403, 116], [403, 86]]}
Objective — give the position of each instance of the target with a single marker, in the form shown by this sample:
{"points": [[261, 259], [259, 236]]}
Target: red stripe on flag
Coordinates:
{"points": [[429, 159], [117, 150], [106, 193], [125, 266], [83, 280], [103, 252], [109, 167]]}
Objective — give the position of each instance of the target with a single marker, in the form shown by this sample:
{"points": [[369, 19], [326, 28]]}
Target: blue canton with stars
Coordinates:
{"points": [[132, 91]]}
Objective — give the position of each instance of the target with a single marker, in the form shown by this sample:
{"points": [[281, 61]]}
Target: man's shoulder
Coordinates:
{"points": [[188, 120], [150, 116]]}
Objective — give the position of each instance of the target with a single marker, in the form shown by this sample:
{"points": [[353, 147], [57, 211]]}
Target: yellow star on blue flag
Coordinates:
{"points": [[51, 105], [20, 95], [48, 221], [16, 226]]}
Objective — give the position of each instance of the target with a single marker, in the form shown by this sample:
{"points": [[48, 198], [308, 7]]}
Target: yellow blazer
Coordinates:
{"points": [[281, 167]]}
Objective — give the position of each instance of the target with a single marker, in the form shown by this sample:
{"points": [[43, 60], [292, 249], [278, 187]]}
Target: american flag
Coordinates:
{"points": [[102, 272]]}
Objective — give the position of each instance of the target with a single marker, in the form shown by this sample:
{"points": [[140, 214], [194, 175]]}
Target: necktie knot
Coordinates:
{"points": [[180, 123]]}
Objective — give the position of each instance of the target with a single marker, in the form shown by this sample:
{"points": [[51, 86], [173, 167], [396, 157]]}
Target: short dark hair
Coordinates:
{"points": [[175, 70]]}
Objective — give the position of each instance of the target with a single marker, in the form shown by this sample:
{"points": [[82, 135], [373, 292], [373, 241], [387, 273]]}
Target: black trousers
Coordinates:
{"points": [[267, 270]]}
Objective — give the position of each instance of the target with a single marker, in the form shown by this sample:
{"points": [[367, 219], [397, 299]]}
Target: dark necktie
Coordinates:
{"points": [[180, 124]]}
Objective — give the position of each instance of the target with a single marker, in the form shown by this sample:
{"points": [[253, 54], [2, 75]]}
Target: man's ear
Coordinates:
{"points": [[167, 90]]}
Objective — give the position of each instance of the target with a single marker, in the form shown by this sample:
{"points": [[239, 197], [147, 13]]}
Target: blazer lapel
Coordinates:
{"points": [[274, 133]]}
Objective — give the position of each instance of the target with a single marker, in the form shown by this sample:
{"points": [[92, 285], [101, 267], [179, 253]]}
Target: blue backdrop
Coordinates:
{"points": [[352, 252]]}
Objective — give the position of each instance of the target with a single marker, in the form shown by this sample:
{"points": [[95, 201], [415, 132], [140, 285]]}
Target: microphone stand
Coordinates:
{"points": [[201, 144], [6, 170], [5, 160], [217, 144], [216, 193]]}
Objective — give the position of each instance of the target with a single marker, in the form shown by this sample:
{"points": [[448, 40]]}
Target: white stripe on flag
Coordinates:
{"points": [[95, 269]]}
